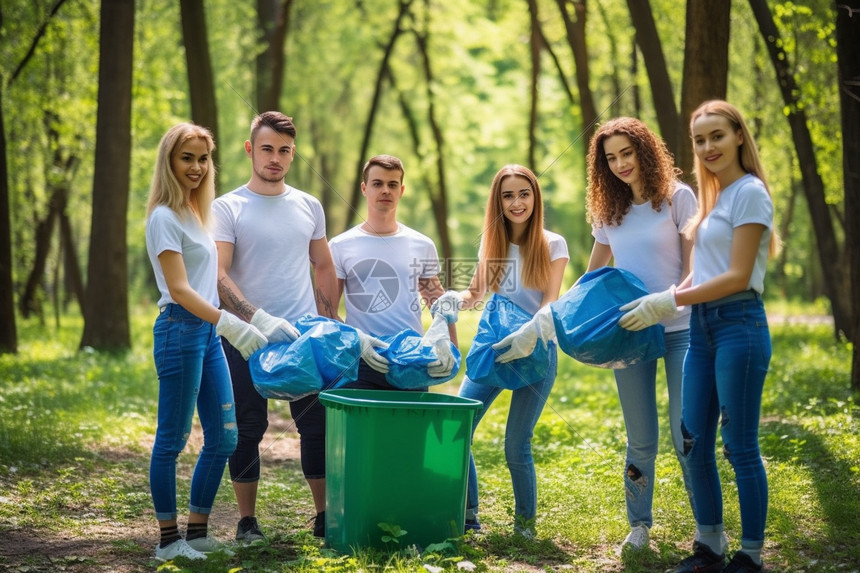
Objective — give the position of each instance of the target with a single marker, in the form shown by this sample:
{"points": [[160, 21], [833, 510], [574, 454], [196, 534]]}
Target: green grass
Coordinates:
{"points": [[74, 452]]}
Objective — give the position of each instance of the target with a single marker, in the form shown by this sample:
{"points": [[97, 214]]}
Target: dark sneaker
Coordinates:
{"points": [[703, 560], [742, 563], [472, 525], [248, 530], [319, 525]]}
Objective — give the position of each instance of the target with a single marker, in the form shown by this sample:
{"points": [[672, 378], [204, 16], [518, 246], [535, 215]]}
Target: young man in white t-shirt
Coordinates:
{"points": [[268, 236], [384, 269]]}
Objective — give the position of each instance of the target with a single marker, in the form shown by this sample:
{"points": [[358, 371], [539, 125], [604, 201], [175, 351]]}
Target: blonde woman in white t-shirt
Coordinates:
{"points": [[730, 347]]}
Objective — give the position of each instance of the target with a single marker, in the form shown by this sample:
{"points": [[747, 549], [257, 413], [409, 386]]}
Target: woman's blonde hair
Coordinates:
{"points": [[608, 198], [497, 236], [706, 180], [165, 188]]}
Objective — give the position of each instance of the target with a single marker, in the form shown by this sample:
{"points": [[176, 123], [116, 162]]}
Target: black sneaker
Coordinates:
{"points": [[248, 530], [742, 563], [703, 560], [319, 525], [471, 525]]}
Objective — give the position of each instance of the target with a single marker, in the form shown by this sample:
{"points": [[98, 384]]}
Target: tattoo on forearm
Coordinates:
{"points": [[324, 305], [240, 306]]}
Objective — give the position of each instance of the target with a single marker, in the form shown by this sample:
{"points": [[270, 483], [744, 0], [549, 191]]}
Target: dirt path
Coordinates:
{"points": [[103, 545]]}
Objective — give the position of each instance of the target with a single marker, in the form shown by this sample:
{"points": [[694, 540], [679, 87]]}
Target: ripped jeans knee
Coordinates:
{"points": [[689, 440], [635, 482]]}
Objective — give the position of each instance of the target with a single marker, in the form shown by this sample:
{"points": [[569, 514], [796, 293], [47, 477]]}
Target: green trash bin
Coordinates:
{"points": [[395, 457]]}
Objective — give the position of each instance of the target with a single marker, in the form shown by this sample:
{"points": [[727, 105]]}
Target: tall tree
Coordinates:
{"points": [[573, 13], [830, 253], [396, 32], [8, 330], [106, 325], [848, 64], [658, 74], [535, 45], [274, 20], [439, 198], [201, 83], [706, 65]]}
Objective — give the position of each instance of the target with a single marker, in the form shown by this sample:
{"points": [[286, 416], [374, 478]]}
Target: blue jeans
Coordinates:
{"points": [[724, 377], [526, 406], [191, 371], [637, 391]]}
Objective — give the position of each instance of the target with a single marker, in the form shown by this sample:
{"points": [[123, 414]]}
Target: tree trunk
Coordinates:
{"points": [[8, 330], [352, 208], [848, 55], [73, 279], [706, 67], [204, 108], [273, 17], [535, 50], [44, 231], [106, 325], [829, 252], [661, 86], [575, 29], [439, 200], [615, 107]]}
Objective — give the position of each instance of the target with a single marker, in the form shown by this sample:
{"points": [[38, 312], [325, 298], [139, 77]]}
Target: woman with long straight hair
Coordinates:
{"points": [[521, 260], [730, 347]]}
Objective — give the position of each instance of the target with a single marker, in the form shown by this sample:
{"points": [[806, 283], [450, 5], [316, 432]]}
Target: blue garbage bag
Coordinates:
{"points": [[408, 359], [326, 354], [586, 321], [500, 318]]}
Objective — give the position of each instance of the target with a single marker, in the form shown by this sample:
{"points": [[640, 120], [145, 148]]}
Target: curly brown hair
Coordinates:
{"points": [[608, 199]]}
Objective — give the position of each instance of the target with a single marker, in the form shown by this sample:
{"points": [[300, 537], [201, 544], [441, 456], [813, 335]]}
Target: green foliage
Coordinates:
{"points": [[391, 532], [481, 65]]}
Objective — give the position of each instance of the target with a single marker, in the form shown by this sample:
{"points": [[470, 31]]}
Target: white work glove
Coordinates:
{"points": [[438, 337], [244, 337], [523, 340], [649, 310], [369, 353], [274, 328], [447, 305]]}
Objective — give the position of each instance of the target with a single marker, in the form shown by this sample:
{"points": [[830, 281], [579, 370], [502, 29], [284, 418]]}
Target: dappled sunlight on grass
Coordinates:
{"points": [[77, 427]]}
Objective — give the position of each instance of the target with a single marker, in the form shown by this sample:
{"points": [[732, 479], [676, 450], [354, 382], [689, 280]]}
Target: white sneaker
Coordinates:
{"points": [[208, 544], [637, 538], [177, 549]]}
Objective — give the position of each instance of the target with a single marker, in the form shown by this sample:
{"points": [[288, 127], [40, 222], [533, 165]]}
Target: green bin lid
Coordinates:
{"points": [[397, 399]]}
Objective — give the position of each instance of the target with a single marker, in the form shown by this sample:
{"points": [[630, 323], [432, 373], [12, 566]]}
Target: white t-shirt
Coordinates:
{"points": [[167, 231], [380, 275], [511, 284], [648, 244], [271, 236], [743, 202]]}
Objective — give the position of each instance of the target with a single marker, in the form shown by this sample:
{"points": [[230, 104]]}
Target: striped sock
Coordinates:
{"points": [[169, 534], [196, 530]]}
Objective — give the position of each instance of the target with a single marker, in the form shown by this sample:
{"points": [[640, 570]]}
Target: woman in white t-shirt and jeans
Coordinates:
{"points": [[730, 346], [190, 363], [638, 209], [521, 260]]}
